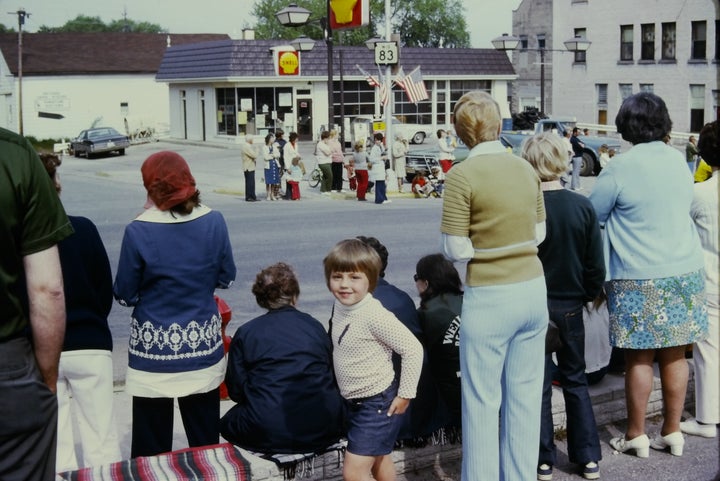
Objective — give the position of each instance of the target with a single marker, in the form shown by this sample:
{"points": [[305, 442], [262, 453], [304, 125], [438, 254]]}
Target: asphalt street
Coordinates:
{"points": [[109, 191]]}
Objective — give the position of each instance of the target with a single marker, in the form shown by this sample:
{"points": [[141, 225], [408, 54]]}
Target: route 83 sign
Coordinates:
{"points": [[386, 53]]}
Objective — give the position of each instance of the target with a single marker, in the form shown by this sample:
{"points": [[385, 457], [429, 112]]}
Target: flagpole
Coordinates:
{"points": [[388, 86]]}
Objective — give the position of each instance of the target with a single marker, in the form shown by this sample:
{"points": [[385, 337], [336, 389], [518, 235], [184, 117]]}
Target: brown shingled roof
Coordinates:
{"points": [[93, 53]]}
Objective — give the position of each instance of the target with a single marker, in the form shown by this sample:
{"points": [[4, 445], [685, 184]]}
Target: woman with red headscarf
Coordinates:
{"points": [[173, 257]]}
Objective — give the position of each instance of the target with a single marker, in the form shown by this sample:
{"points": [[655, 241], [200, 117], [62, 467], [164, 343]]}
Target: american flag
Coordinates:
{"points": [[376, 82], [413, 85]]}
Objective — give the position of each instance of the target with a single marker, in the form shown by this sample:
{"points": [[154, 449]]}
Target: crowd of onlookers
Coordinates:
{"points": [[385, 370]]}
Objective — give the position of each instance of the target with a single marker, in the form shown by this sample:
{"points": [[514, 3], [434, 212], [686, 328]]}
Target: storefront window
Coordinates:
{"points": [[226, 109]]}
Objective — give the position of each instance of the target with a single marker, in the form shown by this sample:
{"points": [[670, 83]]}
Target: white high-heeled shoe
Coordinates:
{"points": [[640, 444], [675, 441]]}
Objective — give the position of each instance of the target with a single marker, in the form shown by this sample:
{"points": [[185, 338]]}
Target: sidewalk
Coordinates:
{"points": [[700, 462]]}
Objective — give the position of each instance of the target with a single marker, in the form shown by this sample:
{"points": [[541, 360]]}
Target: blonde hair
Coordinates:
{"points": [[359, 146], [353, 255], [477, 118], [547, 154]]}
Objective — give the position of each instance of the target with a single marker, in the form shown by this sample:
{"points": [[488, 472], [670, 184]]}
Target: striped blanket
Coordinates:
{"points": [[209, 463]]}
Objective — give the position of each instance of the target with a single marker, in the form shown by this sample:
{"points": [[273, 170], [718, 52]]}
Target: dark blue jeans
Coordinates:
{"points": [[582, 436]]}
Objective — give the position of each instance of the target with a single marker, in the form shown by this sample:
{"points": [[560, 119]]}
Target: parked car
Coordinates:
{"points": [[361, 128], [426, 159], [99, 140]]}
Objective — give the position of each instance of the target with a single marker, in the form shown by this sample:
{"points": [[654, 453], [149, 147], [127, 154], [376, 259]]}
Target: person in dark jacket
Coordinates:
{"points": [[280, 374], [572, 259], [85, 376], [440, 289], [424, 416]]}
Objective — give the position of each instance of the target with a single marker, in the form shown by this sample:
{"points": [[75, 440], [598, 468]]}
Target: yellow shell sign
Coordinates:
{"points": [[288, 63]]}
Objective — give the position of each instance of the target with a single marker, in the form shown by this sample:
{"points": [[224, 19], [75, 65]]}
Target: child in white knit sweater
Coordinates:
{"points": [[364, 336]]}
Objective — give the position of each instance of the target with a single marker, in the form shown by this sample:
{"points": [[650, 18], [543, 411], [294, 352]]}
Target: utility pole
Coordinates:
{"points": [[21, 15]]}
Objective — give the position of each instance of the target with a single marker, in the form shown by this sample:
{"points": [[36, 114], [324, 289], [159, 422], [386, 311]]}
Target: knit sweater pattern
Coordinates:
{"points": [[364, 336]]}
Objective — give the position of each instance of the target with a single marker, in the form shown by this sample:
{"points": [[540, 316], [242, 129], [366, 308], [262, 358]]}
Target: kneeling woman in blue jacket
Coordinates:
{"points": [[280, 375]]}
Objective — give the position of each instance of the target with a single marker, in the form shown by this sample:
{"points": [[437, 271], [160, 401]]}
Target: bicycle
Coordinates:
{"points": [[315, 177]]}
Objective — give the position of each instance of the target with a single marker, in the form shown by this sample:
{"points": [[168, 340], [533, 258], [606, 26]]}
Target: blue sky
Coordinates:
{"points": [[490, 18]]}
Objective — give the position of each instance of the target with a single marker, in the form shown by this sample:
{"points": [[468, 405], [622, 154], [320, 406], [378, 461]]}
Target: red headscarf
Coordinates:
{"points": [[167, 179]]}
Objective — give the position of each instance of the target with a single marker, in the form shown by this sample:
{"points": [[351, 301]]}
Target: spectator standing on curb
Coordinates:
{"points": [[85, 375], [706, 353], [399, 153], [494, 217], [290, 153], [574, 267], [271, 168], [691, 154], [323, 156], [249, 162], [173, 257], [577, 146], [338, 161], [32, 313], [279, 147], [361, 169], [376, 162], [445, 157], [654, 263]]}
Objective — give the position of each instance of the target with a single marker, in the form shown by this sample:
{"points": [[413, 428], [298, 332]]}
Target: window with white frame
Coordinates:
{"points": [[649, 88], [697, 107], [625, 91], [668, 41], [626, 43], [523, 42], [647, 42], [699, 40], [541, 41]]}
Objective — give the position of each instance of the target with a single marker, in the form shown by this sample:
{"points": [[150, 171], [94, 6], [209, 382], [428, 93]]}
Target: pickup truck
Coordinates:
{"points": [[590, 163]]}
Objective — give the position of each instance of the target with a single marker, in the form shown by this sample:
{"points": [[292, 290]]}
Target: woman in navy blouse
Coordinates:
{"points": [[173, 257]]}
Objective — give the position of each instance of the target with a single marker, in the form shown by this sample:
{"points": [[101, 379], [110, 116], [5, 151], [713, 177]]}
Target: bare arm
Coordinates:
{"points": [[47, 310]]}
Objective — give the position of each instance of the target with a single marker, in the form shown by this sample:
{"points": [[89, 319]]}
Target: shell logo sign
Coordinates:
{"points": [[349, 13], [288, 63]]}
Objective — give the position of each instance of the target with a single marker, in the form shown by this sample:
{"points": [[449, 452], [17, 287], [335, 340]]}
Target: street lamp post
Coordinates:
{"points": [[294, 16], [508, 43]]}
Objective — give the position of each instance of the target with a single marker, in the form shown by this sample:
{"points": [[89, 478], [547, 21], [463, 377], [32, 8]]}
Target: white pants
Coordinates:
{"points": [[85, 380], [707, 370]]}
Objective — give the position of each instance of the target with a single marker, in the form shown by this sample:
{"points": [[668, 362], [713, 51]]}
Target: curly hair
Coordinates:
{"points": [[276, 286], [643, 118], [709, 143], [440, 275]]}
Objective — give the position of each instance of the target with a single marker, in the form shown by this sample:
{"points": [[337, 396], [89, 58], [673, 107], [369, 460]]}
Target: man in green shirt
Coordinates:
{"points": [[32, 311]]}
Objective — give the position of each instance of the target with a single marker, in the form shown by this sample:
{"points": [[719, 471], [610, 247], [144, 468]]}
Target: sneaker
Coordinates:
{"points": [[387, 201], [591, 470], [691, 426], [544, 472]]}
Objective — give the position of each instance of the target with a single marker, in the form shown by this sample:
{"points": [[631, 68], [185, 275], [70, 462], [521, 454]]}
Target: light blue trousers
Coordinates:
{"points": [[502, 354]]}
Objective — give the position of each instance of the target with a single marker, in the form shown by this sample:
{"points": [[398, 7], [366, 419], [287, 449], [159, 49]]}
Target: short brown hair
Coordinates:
{"points": [[51, 163], [477, 118], [276, 286], [548, 155], [353, 255]]}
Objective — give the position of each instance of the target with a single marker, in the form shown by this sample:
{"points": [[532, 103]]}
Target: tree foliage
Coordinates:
{"points": [[84, 23], [420, 23]]}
